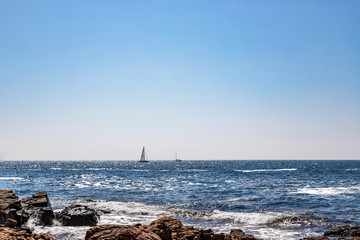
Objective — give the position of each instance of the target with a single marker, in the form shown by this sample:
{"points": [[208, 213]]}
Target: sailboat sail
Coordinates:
{"points": [[142, 158]]}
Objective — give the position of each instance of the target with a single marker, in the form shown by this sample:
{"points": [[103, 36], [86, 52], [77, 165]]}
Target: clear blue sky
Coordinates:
{"points": [[209, 79]]}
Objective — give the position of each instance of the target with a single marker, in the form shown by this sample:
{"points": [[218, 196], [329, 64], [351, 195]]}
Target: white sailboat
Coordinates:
{"points": [[143, 154], [176, 158]]}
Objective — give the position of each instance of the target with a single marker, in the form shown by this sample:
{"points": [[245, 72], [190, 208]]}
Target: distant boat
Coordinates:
{"points": [[176, 158], [143, 154]]}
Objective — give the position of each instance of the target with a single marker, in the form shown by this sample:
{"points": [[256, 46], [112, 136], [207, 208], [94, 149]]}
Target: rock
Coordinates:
{"points": [[38, 206], [160, 228], [21, 233], [77, 215], [165, 228], [219, 236], [119, 232], [344, 231], [38, 200], [9, 205], [315, 238], [10, 223], [235, 234]]}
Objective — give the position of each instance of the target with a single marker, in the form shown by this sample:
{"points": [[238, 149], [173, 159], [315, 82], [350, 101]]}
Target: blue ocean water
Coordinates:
{"points": [[270, 199]]}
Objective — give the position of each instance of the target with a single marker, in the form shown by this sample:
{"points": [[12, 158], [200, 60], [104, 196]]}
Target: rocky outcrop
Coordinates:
{"points": [[10, 233], [38, 206], [165, 228], [118, 232], [9, 205], [344, 232], [77, 215]]}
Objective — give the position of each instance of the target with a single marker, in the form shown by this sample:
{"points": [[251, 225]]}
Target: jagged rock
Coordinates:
{"points": [[235, 234], [38, 200], [21, 233], [344, 231], [77, 215], [119, 232], [160, 228], [38, 206], [9, 205]]}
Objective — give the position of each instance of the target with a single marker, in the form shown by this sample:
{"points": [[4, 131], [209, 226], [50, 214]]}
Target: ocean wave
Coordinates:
{"points": [[12, 178], [329, 190], [129, 213], [267, 170], [248, 218]]}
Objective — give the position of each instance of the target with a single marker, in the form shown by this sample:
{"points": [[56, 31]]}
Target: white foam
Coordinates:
{"points": [[12, 178], [55, 168], [248, 218], [135, 212], [267, 170], [79, 185], [329, 190]]}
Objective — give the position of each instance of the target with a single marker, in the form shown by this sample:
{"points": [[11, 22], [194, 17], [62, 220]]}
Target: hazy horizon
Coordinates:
{"points": [[232, 80]]}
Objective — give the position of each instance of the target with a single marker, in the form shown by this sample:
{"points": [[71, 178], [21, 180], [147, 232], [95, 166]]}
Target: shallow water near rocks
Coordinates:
{"points": [[269, 199]]}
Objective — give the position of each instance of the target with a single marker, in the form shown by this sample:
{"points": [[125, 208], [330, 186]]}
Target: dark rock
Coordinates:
{"points": [[37, 201], [119, 232], [45, 215], [77, 215], [9, 204], [10, 223], [38, 206], [344, 231], [207, 234], [219, 236], [235, 234]]}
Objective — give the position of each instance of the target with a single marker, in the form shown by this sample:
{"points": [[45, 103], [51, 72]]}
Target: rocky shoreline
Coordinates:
{"points": [[15, 213]]}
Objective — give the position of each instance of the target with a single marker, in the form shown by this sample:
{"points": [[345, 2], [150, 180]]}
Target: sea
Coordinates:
{"points": [[269, 199]]}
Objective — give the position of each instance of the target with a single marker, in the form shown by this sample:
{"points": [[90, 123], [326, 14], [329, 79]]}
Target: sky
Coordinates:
{"points": [[97, 80]]}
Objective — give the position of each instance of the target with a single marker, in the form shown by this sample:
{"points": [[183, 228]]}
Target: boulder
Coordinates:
{"points": [[38, 200], [10, 233], [164, 227], [38, 206], [77, 215], [9, 205], [119, 232], [344, 232]]}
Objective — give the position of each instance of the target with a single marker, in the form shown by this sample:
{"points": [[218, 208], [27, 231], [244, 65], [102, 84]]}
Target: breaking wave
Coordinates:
{"points": [[267, 170]]}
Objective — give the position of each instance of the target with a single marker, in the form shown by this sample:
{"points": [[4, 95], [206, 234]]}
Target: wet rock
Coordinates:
{"points": [[77, 215], [315, 238], [21, 233], [344, 231], [119, 232], [10, 223], [38, 207], [235, 234], [9, 205]]}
